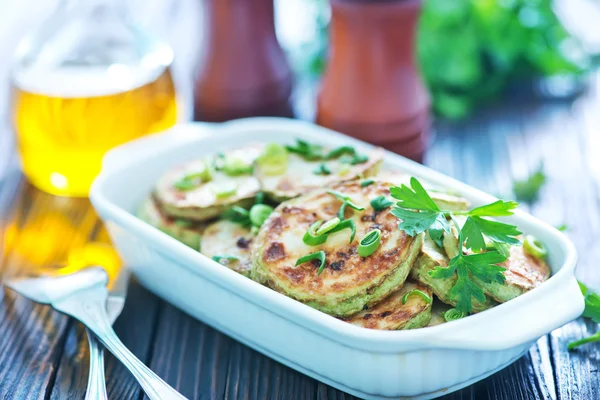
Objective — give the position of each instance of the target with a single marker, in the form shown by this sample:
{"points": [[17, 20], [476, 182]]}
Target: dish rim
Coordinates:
{"points": [[472, 333]]}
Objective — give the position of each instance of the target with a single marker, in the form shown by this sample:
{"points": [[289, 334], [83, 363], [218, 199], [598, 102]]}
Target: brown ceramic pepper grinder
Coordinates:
{"points": [[371, 88], [245, 72]]}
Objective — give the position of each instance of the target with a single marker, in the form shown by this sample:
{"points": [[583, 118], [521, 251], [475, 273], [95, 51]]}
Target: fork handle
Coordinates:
{"points": [[89, 307], [96, 386]]}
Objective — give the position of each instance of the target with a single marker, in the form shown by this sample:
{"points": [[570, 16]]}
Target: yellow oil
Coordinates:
{"points": [[66, 122]]}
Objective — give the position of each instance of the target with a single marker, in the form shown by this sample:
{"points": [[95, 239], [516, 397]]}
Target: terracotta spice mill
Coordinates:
{"points": [[371, 88]]}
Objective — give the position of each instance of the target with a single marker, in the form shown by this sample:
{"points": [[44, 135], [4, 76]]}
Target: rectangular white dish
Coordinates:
{"points": [[421, 363]]}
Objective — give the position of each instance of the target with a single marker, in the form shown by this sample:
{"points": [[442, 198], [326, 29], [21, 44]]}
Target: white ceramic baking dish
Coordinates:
{"points": [[421, 363]]}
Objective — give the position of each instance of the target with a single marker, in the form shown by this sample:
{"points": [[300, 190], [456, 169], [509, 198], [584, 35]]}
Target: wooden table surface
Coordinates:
{"points": [[44, 354]]}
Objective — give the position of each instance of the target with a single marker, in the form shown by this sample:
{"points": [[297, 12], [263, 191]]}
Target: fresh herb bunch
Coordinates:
{"points": [[419, 213], [481, 45], [591, 311]]}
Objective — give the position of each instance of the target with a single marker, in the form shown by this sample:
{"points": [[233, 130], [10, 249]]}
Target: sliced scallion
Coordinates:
{"points": [[234, 166], [319, 255], [273, 160], [418, 292], [534, 247], [225, 189], [322, 169], [259, 214], [369, 243], [311, 238], [345, 224], [327, 226], [453, 314]]}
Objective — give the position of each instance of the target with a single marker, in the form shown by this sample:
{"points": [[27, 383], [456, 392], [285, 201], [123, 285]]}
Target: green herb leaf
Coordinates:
{"points": [[319, 255], [528, 190], [322, 169], [498, 208], [414, 197], [418, 292], [380, 203], [367, 182], [369, 243], [591, 311], [476, 227], [415, 222], [482, 266]]}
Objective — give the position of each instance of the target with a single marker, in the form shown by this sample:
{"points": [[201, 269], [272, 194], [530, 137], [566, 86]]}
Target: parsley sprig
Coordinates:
{"points": [[591, 311], [419, 213]]}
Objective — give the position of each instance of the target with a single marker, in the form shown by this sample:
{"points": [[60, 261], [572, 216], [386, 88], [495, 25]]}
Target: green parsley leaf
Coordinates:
{"points": [[380, 203], [592, 304], [591, 311], [476, 227], [528, 190], [414, 198], [499, 208], [482, 266], [322, 169], [415, 222]]}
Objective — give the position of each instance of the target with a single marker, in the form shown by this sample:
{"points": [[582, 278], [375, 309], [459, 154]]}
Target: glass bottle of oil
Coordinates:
{"points": [[87, 80]]}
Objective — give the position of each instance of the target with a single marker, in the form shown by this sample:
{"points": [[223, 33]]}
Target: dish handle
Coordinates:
{"points": [[526, 321], [127, 152]]}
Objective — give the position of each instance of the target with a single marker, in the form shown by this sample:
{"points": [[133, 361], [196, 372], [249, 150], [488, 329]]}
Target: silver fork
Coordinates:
{"points": [[83, 295]]}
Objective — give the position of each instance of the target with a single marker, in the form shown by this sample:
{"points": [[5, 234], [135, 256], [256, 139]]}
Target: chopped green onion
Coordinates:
{"points": [[183, 223], [273, 160], [347, 201], [367, 182], [453, 314], [423, 295], [380, 203], [311, 238], [345, 224], [339, 151], [344, 169], [369, 243], [193, 180], [259, 214], [322, 169], [227, 257], [319, 255], [562, 227], [306, 150], [225, 189], [327, 226], [234, 166], [354, 159], [534, 247]]}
